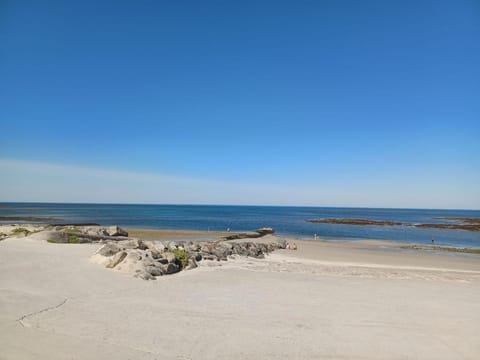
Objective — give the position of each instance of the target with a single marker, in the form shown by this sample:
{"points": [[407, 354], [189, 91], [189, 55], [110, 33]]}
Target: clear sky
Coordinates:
{"points": [[335, 103]]}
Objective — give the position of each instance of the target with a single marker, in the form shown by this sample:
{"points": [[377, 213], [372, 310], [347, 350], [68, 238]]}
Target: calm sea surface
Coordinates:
{"points": [[285, 220]]}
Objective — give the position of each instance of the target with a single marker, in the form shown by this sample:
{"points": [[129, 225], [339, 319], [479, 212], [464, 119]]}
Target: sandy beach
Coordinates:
{"points": [[327, 300]]}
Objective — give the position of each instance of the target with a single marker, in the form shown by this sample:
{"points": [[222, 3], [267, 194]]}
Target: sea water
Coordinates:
{"points": [[287, 221]]}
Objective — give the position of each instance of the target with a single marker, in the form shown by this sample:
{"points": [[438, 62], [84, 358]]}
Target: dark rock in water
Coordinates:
{"points": [[266, 231], [363, 222], [198, 257], [28, 218], [469, 227], [251, 235], [238, 236], [73, 224]]}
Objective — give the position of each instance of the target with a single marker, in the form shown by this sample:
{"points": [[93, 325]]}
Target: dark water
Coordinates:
{"points": [[285, 220]]}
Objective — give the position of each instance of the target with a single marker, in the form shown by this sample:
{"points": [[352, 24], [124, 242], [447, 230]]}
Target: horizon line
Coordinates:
{"points": [[233, 205]]}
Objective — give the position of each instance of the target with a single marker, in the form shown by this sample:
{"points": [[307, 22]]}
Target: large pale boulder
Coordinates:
{"points": [[192, 264], [116, 231], [109, 249], [116, 259], [169, 256]]}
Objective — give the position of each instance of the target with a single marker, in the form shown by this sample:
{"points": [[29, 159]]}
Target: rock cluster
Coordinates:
{"points": [[148, 259], [85, 234]]}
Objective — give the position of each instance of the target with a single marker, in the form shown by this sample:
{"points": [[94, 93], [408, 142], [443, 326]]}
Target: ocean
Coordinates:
{"points": [[287, 221]]}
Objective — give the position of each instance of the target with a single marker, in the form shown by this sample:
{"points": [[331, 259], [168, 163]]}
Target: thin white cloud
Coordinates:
{"points": [[22, 180]]}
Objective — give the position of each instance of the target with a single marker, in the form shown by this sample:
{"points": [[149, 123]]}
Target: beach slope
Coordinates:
{"points": [[323, 301]]}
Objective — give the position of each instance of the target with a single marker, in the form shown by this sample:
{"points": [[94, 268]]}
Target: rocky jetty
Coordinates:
{"points": [[150, 259], [73, 234], [251, 235]]}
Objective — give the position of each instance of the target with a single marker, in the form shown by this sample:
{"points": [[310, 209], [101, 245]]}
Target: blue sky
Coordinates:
{"points": [[337, 103]]}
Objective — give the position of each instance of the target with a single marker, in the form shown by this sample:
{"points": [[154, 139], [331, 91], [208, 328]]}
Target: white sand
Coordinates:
{"points": [[323, 301]]}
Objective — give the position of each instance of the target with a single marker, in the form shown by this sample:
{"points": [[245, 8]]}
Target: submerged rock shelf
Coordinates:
{"points": [[469, 224], [355, 222]]}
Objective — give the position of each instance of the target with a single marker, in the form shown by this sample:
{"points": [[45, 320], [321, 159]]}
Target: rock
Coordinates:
{"points": [[170, 268], [265, 231], [116, 231], [222, 251], [95, 231], [117, 259], [169, 256], [154, 246], [148, 259], [240, 249], [172, 245], [144, 275], [155, 270], [194, 247], [209, 257], [128, 244], [206, 247], [55, 236], [192, 264], [156, 254], [162, 261], [141, 245], [109, 249]]}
